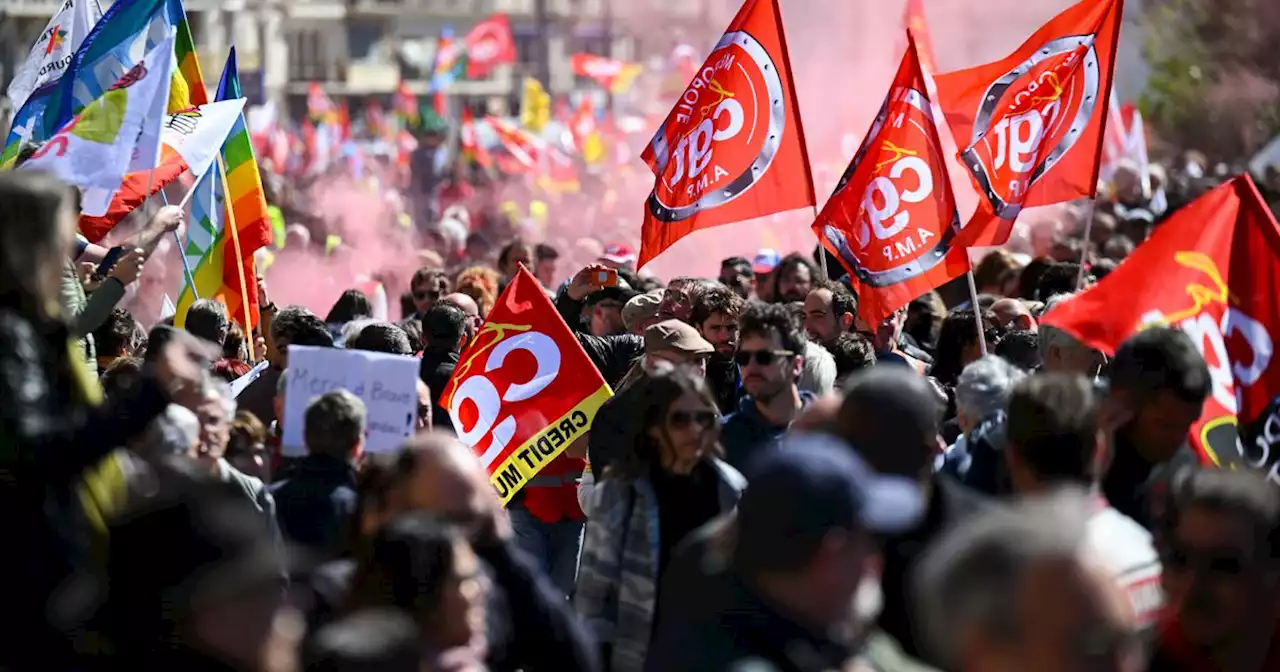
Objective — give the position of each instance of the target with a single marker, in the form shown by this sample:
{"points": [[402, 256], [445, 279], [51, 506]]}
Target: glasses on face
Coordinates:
{"points": [[1221, 563], [761, 357], [426, 294], [682, 419]]}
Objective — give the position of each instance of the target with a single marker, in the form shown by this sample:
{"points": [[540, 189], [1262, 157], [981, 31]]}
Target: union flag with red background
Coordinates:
{"points": [[732, 148], [892, 221], [523, 390], [489, 44], [1030, 125], [913, 20], [1217, 261]]}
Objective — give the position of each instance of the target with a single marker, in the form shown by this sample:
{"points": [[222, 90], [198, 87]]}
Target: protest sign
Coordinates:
{"points": [[388, 385]]}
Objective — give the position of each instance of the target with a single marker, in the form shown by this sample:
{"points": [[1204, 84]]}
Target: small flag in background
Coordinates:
{"points": [[51, 54]]}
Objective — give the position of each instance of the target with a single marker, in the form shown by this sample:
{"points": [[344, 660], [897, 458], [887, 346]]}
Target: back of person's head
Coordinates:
{"points": [[853, 353], [891, 416], [352, 305], [409, 564], [984, 387], [995, 268], [295, 325], [970, 582], [118, 336], [1059, 278], [382, 337], [769, 320], [443, 327], [1020, 348], [1158, 360], [33, 237], [172, 433], [122, 375], [334, 425], [366, 640], [412, 328], [957, 339], [1052, 429], [207, 318], [157, 339], [233, 346], [924, 319]]}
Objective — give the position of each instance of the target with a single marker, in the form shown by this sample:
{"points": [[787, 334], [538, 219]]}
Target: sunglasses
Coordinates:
{"points": [[761, 357], [427, 294], [1222, 564], [682, 419]]}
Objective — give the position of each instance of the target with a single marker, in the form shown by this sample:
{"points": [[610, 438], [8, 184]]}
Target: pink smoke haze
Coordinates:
{"points": [[843, 56]]}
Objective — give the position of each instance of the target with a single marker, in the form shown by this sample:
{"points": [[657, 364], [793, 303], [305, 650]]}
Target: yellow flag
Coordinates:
{"points": [[535, 106]]}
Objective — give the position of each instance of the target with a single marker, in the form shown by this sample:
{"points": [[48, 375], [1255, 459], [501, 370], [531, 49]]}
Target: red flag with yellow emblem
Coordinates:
{"points": [[1217, 261], [892, 220], [1030, 125], [523, 390], [732, 148]]}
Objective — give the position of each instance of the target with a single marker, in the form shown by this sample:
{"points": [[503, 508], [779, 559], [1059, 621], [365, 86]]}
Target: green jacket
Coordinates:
{"points": [[85, 312]]}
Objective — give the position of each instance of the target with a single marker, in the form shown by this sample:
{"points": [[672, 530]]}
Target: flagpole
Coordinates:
{"points": [[235, 240], [186, 266], [977, 312], [1084, 251], [822, 250]]}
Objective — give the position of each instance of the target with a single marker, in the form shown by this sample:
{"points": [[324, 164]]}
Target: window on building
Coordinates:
{"points": [[307, 56]]}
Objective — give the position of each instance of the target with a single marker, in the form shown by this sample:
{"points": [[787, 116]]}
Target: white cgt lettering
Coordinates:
{"points": [[699, 143], [891, 211]]}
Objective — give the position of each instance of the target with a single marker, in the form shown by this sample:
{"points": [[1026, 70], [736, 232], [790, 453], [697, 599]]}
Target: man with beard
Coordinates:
{"points": [[715, 315], [1220, 541], [793, 279], [735, 273], [829, 311], [678, 298], [770, 360]]}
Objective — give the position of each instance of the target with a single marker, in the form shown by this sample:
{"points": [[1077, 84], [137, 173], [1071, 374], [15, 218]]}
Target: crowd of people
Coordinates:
{"points": [[774, 485]]}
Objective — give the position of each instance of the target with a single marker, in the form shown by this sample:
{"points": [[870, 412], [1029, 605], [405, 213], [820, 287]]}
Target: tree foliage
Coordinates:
{"points": [[1215, 79]]}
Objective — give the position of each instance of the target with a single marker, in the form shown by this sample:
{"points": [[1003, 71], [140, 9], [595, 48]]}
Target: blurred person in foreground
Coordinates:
{"points": [[770, 358], [1220, 543], [1016, 589], [1159, 383], [672, 481], [56, 426], [1057, 438], [247, 447], [315, 504], [366, 640], [890, 418], [424, 566], [800, 588], [530, 625]]}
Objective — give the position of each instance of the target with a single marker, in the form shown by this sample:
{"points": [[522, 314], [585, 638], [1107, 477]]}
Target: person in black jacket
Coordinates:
{"points": [[315, 504], [891, 416], [54, 426], [444, 329], [612, 355]]}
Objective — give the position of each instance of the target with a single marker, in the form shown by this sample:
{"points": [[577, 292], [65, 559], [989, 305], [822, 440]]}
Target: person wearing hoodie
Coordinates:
{"points": [[771, 359]]}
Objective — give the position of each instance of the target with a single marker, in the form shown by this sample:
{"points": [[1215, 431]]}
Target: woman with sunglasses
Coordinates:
{"points": [[669, 484]]}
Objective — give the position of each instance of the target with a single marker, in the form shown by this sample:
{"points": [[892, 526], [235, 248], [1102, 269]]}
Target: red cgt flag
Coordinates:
{"points": [[1030, 126], [488, 44], [732, 148], [1218, 264], [892, 220], [523, 390]]}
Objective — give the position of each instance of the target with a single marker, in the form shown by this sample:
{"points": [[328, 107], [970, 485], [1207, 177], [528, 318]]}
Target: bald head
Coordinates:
{"points": [[891, 416], [1013, 313], [464, 303], [446, 479]]}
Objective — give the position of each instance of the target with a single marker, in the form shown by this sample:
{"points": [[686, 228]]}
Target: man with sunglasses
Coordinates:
{"points": [[770, 358], [1220, 542], [427, 286]]}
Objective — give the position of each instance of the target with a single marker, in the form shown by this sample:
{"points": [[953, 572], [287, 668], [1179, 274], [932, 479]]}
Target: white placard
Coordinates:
{"points": [[388, 384]]}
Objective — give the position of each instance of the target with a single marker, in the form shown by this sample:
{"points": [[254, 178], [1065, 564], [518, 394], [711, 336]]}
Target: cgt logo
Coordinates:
{"points": [[895, 234], [1030, 118], [487, 414], [726, 129]]}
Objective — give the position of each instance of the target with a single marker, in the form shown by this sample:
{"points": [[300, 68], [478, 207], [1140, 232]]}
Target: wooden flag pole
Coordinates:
{"points": [[822, 249], [1084, 247], [235, 240]]}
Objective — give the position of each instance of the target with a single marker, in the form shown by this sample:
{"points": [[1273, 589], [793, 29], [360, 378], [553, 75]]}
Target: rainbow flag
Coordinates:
{"points": [[191, 91], [217, 275]]}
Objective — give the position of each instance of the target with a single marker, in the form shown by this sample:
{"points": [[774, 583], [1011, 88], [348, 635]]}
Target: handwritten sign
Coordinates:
{"points": [[388, 385]]}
